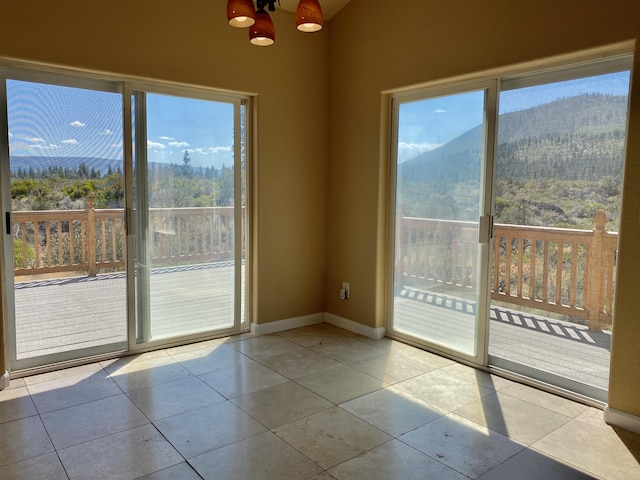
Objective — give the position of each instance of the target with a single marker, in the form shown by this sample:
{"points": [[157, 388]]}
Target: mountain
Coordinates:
{"points": [[575, 138]]}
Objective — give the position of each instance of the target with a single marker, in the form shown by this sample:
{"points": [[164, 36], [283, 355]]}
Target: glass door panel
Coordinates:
{"points": [[560, 160], [189, 216], [67, 222], [439, 200]]}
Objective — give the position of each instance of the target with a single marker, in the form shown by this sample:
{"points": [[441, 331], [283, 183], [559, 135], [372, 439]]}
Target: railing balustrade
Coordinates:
{"points": [[92, 240], [566, 271]]}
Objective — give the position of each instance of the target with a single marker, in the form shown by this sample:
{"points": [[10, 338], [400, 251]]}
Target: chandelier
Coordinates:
{"points": [[242, 14]]}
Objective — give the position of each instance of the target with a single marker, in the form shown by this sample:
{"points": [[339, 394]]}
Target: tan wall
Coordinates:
{"points": [[191, 42], [376, 46]]}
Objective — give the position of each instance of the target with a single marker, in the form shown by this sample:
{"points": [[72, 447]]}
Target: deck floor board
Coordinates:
{"points": [[58, 316]]}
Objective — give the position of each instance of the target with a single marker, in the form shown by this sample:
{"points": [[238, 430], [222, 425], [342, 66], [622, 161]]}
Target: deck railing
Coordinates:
{"points": [[566, 271], [92, 240]]}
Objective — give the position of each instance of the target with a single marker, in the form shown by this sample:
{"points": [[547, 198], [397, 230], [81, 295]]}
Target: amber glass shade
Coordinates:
{"points": [[262, 33], [309, 16], [241, 13]]}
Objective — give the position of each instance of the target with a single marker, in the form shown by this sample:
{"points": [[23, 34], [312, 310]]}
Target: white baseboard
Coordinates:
{"points": [[286, 324], [296, 322], [4, 380], [355, 327], [621, 419]]}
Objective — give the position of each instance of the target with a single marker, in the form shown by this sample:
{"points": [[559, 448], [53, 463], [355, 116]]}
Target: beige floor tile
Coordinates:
{"points": [[394, 460], [519, 420], [243, 378], [323, 476], [126, 456], [465, 446], [147, 373], [44, 467], [88, 421], [298, 363], [393, 367], [210, 344], [393, 410], [477, 376], [15, 403], [16, 383], [264, 457], [546, 400], [130, 361], [281, 404], [23, 439], [595, 450], [532, 465], [205, 360], [86, 371], [445, 391], [172, 398], [340, 383], [331, 437], [198, 431], [182, 471], [312, 335], [346, 349], [264, 345], [73, 390], [593, 416]]}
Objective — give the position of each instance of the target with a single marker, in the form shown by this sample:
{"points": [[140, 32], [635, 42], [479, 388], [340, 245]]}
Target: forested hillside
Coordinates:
{"points": [[46, 183], [556, 165]]}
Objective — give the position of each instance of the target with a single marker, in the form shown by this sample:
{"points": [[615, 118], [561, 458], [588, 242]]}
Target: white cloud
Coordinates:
{"points": [[106, 131], [440, 110], [10, 134], [201, 151], [179, 144], [227, 148], [151, 144], [70, 141], [34, 139], [407, 151], [77, 123], [51, 146], [166, 138]]}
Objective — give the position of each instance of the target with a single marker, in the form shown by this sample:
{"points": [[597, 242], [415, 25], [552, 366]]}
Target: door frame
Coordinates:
{"points": [[487, 174], [53, 78], [244, 111], [137, 325]]}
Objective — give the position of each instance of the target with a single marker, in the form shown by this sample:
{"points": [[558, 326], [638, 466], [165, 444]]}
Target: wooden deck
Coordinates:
{"points": [[560, 348], [74, 313]]}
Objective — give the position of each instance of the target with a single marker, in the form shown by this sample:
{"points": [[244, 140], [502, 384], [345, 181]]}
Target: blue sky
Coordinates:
{"points": [[424, 125], [54, 121]]}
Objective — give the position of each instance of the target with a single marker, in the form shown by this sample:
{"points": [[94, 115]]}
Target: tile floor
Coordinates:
{"points": [[314, 403]]}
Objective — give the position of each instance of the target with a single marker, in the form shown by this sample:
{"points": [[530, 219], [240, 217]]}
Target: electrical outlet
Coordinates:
{"points": [[346, 287]]}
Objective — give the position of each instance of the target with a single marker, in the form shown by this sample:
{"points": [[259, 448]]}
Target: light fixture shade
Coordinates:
{"points": [[241, 13], [309, 16], [262, 33]]}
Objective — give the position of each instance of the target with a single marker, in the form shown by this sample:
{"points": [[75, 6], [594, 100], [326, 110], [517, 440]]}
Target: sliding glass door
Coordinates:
{"points": [[532, 173], [560, 161], [441, 220], [63, 198], [189, 214], [124, 215]]}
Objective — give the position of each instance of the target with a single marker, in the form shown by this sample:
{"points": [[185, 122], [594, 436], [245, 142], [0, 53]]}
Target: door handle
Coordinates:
{"points": [[7, 218], [485, 233]]}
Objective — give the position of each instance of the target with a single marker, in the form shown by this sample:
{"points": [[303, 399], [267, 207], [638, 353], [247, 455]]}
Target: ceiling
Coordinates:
{"points": [[329, 7]]}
